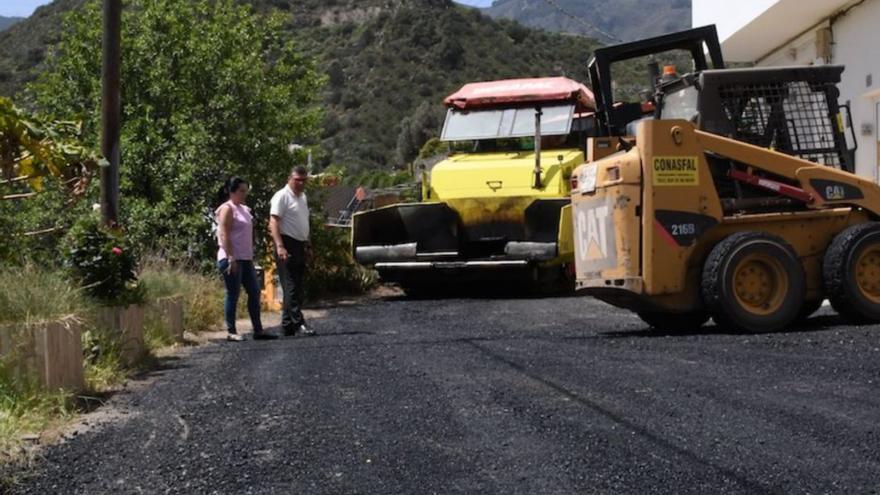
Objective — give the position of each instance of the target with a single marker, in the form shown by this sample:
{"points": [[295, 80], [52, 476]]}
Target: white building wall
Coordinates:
{"points": [[728, 17], [856, 45], [801, 51]]}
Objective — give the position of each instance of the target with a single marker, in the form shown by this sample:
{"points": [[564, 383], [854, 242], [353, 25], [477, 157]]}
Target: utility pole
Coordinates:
{"points": [[111, 111]]}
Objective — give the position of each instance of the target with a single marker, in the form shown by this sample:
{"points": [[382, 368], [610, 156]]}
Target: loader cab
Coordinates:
{"points": [[793, 110], [690, 47]]}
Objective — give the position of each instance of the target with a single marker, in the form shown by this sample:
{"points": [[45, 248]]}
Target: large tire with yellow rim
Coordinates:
{"points": [[753, 282], [851, 273]]}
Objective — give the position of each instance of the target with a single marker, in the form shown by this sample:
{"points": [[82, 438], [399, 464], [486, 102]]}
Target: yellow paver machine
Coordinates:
{"points": [[736, 201], [497, 209]]}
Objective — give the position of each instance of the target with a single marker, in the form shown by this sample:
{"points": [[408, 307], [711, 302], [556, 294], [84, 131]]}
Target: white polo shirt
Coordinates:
{"points": [[293, 212]]}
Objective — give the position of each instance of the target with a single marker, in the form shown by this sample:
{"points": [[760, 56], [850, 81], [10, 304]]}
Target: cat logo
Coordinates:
{"points": [[834, 193], [832, 190], [594, 245], [594, 234]]}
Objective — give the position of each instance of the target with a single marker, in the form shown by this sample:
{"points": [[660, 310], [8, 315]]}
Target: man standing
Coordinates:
{"points": [[289, 225]]}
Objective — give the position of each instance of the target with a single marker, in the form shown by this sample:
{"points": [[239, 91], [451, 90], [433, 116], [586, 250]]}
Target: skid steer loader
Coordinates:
{"points": [[736, 201]]}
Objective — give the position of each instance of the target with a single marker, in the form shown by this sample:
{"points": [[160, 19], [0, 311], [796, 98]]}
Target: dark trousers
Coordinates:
{"points": [[245, 275], [291, 274]]}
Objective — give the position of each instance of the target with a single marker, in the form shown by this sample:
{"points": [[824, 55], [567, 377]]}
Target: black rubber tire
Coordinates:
{"points": [[717, 283], [838, 274], [674, 322]]}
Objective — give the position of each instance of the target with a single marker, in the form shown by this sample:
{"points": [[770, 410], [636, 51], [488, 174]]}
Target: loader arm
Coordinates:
{"points": [[825, 186]]}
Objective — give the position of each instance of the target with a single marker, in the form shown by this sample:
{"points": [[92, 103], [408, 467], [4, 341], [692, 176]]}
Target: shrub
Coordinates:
{"points": [[102, 262], [434, 147], [331, 268]]}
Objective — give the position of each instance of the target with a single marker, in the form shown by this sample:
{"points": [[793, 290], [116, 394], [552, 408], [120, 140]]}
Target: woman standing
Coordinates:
{"points": [[235, 258]]}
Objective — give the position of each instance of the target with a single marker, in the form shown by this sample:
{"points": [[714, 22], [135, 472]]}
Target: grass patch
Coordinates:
{"points": [[104, 367], [24, 410], [30, 294], [202, 294], [157, 335], [28, 410]]}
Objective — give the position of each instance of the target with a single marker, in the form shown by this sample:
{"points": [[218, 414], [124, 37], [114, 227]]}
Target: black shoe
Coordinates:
{"points": [[306, 330], [289, 332], [264, 336]]}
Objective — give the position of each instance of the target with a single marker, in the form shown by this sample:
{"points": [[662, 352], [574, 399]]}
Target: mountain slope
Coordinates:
{"points": [[623, 19], [404, 60], [24, 45], [6, 22], [386, 60]]}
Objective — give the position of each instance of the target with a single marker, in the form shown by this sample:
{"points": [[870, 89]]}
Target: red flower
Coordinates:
{"points": [[117, 251]]}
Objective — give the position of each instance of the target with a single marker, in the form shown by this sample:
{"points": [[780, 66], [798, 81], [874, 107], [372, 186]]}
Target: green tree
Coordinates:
{"points": [[210, 90], [44, 170], [425, 123]]}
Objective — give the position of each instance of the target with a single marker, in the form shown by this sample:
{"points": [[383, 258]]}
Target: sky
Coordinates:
{"points": [[24, 8], [20, 8]]}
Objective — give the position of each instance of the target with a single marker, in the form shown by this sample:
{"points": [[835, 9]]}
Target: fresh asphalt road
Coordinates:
{"points": [[532, 396]]}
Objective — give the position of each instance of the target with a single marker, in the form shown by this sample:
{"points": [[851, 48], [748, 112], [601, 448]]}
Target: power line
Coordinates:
{"points": [[582, 21]]}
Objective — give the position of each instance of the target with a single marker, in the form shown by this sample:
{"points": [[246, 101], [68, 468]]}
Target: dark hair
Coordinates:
{"points": [[299, 170], [229, 187]]}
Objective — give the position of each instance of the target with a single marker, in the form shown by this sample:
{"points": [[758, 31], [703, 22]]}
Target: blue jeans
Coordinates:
{"points": [[245, 275]]}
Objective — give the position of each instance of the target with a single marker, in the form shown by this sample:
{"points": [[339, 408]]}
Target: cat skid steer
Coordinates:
{"points": [[737, 202]]}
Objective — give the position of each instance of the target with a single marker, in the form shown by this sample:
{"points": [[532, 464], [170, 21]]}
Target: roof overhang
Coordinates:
{"points": [[779, 24], [522, 91]]}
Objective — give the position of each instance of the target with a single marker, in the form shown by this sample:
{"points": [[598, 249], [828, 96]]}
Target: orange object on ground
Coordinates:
{"points": [[267, 296]]}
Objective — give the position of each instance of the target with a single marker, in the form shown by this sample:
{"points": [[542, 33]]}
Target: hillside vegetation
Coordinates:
{"points": [[389, 73], [6, 22], [389, 64], [625, 20]]}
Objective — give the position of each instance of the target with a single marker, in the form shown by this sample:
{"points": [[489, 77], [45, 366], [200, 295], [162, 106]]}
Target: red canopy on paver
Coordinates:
{"points": [[538, 90]]}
